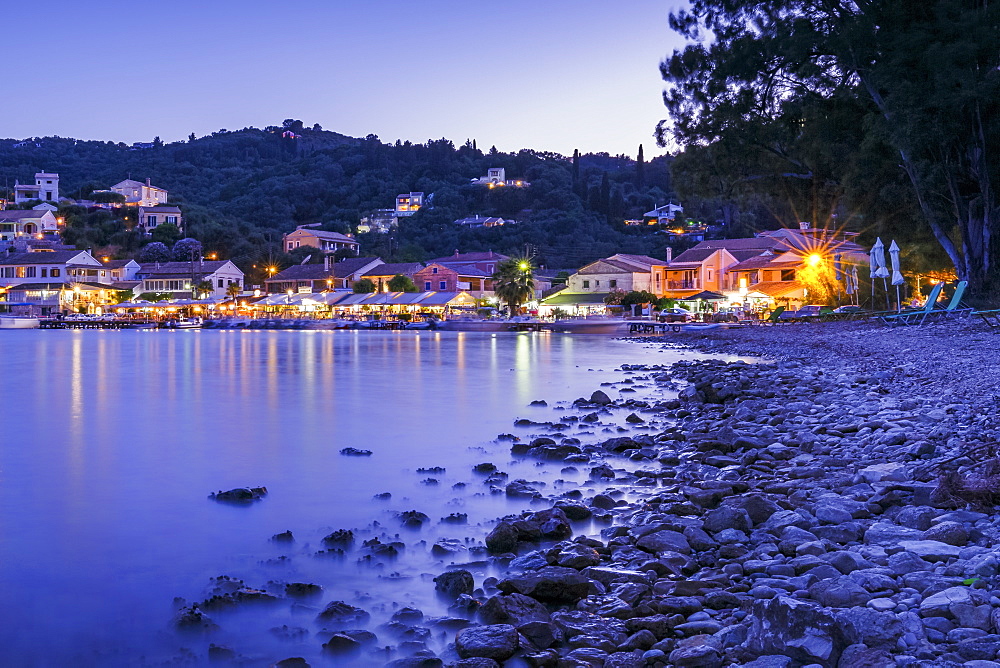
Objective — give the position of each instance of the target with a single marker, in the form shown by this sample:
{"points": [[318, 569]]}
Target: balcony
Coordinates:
{"points": [[684, 285]]}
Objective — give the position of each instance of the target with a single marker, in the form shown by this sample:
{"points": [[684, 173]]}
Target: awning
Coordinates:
{"points": [[575, 298], [706, 295]]}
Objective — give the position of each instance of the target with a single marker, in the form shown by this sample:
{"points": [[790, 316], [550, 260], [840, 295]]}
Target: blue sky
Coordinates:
{"points": [[545, 74]]}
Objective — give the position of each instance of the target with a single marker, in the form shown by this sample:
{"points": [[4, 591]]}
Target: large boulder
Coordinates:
{"points": [[842, 592], [496, 641], [453, 584], [553, 584], [515, 609], [799, 630], [502, 539], [664, 541], [338, 614]]}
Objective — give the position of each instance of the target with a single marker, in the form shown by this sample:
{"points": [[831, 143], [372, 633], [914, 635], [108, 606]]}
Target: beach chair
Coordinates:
{"points": [[991, 317], [912, 317], [775, 316]]}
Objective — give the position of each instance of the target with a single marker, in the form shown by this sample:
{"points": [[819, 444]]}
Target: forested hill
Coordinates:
{"points": [[241, 190]]}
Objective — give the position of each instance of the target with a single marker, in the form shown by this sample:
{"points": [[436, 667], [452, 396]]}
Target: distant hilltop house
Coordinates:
{"points": [[408, 204], [483, 221], [383, 220], [151, 217], [663, 215], [46, 188], [497, 176], [325, 242], [141, 194]]}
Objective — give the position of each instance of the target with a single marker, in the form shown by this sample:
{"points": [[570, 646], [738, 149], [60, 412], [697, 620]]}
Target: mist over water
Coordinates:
{"points": [[111, 442]]}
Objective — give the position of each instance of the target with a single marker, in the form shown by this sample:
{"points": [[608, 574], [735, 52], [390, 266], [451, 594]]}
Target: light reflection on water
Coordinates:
{"points": [[112, 440]]}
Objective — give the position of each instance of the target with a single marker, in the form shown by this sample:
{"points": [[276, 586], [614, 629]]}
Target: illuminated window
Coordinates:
{"points": [[54, 273]]}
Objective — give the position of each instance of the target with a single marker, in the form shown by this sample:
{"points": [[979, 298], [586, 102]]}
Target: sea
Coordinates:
{"points": [[111, 443]]}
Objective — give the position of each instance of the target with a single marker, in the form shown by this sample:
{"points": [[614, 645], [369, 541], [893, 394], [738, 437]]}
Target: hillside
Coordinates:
{"points": [[240, 190]]}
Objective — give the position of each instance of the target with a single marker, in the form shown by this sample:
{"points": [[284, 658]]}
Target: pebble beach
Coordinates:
{"points": [[826, 501]]}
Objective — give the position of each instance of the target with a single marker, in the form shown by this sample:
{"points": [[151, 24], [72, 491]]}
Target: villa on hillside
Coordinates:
{"points": [[325, 242], [151, 217], [18, 223], [497, 177], [46, 188], [137, 193]]}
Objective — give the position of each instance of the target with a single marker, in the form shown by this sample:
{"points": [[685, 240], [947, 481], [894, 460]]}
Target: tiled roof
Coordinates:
{"points": [[463, 258], [350, 265], [41, 257], [20, 214], [694, 255], [741, 244], [392, 269], [116, 264], [302, 272], [640, 259], [776, 288], [329, 236], [183, 269]]}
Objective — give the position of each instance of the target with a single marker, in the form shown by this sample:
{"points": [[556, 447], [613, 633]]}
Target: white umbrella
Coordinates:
{"points": [[897, 278], [878, 257], [854, 281]]}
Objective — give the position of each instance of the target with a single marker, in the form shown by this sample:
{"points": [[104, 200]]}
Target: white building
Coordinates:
{"points": [[46, 188], [497, 177], [151, 217], [73, 266], [620, 272], [137, 193], [408, 204], [18, 223], [181, 277], [663, 215]]}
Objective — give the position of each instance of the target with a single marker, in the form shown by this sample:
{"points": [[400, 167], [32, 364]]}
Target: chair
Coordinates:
{"points": [[911, 317], [774, 317], [991, 318]]}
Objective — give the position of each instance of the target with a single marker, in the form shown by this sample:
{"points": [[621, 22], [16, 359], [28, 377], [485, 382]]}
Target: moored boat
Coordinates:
{"points": [[589, 326], [474, 325], [19, 322]]}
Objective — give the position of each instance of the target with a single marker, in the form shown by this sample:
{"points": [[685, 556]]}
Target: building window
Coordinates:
{"points": [[443, 285], [427, 285], [434, 270], [586, 285], [708, 276], [614, 283], [788, 274], [44, 272], [597, 284]]}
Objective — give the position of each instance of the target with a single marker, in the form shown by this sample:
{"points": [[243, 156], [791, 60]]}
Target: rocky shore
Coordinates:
{"points": [[829, 505]]}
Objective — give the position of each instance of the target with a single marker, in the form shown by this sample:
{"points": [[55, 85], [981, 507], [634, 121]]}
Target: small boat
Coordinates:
{"points": [[19, 322], [183, 323], [474, 325], [589, 326]]}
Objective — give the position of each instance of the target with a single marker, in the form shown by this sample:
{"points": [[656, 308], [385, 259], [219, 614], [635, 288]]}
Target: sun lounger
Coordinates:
{"points": [[921, 316], [991, 318], [775, 316]]}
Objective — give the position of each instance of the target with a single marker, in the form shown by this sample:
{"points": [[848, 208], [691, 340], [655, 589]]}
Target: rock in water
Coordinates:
{"points": [[240, 495], [497, 642], [343, 615], [355, 452], [600, 397], [455, 583]]}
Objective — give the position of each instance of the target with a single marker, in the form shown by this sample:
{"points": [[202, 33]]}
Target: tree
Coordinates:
{"points": [[401, 283], [186, 249], [234, 290], [202, 289], [927, 74], [167, 233], [640, 169], [107, 197], [154, 252], [364, 285], [157, 142], [514, 282]]}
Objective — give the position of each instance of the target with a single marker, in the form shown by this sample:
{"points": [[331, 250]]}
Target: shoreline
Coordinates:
{"points": [[779, 513]]}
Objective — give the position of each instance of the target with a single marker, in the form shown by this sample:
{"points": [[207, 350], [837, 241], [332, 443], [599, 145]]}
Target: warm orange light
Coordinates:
{"points": [[814, 260]]}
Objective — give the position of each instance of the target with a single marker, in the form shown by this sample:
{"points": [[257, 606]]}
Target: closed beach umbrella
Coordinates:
{"points": [[854, 280], [836, 267], [897, 278], [878, 250]]}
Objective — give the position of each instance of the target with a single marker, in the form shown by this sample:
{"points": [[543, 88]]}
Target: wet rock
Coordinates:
{"points": [[292, 662], [283, 537], [796, 629], [842, 592], [502, 539], [191, 619], [515, 609], [476, 662], [727, 517], [453, 584], [951, 533], [664, 541], [340, 644], [456, 518], [302, 589], [699, 651], [496, 641], [342, 615], [339, 538], [634, 419], [930, 550], [578, 557], [240, 495], [574, 510], [413, 518], [940, 604], [355, 452], [553, 584], [600, 398]]}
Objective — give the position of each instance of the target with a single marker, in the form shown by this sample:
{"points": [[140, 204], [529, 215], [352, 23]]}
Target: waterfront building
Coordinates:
{"points": [[137, 193], [181, 278], [620, 272], [325, 242], [73, 266], [320, 277], [121, 270], [46, 188], [455, 277]]}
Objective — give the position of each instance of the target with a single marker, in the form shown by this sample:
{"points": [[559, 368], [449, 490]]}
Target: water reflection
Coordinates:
{"points": [[104, 473]]}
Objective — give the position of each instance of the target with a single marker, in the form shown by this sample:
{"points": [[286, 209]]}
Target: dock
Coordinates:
{"points": [[55, 323]]}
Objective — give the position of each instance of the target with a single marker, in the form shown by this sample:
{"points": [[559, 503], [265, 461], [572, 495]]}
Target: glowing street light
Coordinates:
{"points": [[815, 259]]}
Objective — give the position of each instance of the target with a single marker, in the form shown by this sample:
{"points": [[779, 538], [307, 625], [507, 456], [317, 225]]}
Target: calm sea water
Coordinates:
{"points": [[111, 441]]}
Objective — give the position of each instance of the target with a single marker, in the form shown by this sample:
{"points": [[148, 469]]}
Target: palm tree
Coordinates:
{"points": [[234, 291], [202, 288], [514, 282]]}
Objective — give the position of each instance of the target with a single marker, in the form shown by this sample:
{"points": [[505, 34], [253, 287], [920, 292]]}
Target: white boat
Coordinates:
{"points": [[474, 325], [589, 326], [19, 322], [184, 323]]}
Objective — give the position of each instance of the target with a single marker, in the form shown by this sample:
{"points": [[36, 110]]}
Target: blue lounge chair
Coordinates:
{"points": [[916, 317]]}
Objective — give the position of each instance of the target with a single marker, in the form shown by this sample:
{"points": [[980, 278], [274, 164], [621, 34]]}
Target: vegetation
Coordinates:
{"points": [[364, 285], [400, 283], [514, 282], [871, 115]]}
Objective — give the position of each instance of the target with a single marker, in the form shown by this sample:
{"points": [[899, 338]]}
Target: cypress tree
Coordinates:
{"points": [[640, 169]]}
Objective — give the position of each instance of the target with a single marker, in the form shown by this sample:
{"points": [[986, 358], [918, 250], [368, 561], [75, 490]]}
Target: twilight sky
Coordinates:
{"points": [[544, 74]]}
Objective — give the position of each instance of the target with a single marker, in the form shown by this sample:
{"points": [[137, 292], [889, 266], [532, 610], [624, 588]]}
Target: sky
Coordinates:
{"points": [[552, 75]]}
